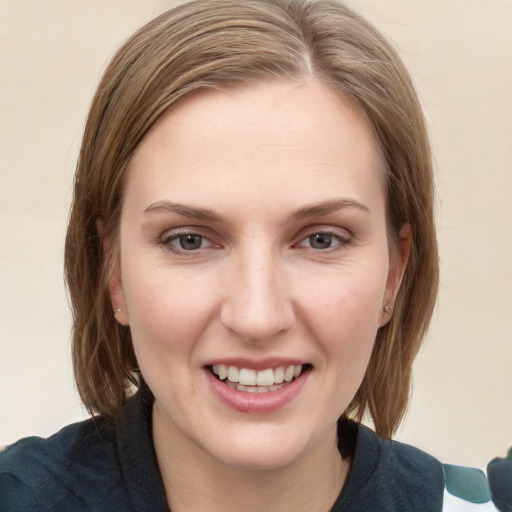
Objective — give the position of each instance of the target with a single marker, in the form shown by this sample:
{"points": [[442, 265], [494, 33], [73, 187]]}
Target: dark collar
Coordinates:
{"points": [[137, 455]]}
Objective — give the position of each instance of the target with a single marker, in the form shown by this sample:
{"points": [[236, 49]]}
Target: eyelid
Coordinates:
{"points": [[177, 238], [342, 235], [185, 230], [170, 235]]}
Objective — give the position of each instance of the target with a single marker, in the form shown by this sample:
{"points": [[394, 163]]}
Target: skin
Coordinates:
{"points": [[260, 160]]}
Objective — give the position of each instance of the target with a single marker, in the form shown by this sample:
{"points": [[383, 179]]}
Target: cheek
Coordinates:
{"points": [[355, 295], [344, 313], [167, 310]]}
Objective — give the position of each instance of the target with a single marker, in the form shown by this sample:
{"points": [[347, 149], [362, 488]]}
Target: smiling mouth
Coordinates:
{"points": [[253, 381]]}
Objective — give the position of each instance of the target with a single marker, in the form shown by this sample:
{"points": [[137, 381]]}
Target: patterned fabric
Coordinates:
{"points": [[470, 490], [466, 490], [499, 472]]}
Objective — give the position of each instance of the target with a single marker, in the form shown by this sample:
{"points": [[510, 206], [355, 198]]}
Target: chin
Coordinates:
{"points": [[266, 447], [258, 457]]}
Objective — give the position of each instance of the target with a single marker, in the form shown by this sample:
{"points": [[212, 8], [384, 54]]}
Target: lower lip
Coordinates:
{"points": [[256, 403]]}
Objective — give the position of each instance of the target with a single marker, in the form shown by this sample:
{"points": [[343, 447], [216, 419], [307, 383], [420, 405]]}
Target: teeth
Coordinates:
{"points": [[253, 381], [279, 375], [233, 373], [254, 389], [265, 377], [246, 377], [288, 374]]}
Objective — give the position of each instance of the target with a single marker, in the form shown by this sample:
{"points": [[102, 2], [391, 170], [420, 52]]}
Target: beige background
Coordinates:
{"points": [[460, 54]]}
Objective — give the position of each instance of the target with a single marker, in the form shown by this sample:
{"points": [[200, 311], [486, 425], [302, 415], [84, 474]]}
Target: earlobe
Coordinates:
{"points": [[115, 286], [397, 267]]}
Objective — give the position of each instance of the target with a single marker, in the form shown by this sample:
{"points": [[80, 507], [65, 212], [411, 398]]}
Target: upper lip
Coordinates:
{"points": [[260, 364]]}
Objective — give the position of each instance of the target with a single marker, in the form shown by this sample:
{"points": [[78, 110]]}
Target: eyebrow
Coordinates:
{"points": [[306, 211], [327, 207], [192, 212]]}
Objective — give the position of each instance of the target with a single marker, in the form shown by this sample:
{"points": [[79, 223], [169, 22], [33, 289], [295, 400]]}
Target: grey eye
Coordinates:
{"points": [[320, 240], [190, 242]]}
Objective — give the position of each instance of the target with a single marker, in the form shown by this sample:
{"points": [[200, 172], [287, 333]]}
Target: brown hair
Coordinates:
{"points": [[226, 43]]}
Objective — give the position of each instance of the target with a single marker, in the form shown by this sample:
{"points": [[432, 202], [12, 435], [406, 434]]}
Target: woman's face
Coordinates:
{"points": [[253, 249]]}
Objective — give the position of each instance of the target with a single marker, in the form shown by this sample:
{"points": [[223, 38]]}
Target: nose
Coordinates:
{"points": [[257, 305]]}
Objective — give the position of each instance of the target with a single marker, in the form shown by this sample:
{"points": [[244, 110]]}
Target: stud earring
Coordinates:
{"points": [[386, 308], [117, 311]]}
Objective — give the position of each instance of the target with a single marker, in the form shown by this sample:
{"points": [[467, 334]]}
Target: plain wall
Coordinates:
{"points": [[459, 52]]}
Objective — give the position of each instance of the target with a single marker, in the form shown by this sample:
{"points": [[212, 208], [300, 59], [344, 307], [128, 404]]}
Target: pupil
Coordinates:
{"points": [[190, 242], [320, 240]]}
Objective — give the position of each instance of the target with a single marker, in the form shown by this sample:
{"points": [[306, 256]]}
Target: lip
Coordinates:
{"points": [[256, 403]]}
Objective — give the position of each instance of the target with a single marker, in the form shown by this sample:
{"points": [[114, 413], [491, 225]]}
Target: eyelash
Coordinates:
{"points": [[341, 240], [167, 242]]}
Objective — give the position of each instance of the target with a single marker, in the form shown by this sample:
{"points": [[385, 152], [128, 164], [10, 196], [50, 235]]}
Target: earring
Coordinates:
{"points": [[117, 311], [386, 309]]}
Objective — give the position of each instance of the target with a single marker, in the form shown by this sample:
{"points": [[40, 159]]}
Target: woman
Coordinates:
{"points": [[252, 245]]}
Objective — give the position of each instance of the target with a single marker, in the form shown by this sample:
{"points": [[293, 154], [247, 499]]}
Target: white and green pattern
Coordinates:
{"points": [[466, 490]]}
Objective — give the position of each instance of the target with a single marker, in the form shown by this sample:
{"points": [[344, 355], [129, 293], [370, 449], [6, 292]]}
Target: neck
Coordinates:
{"points": [[195, 482]]}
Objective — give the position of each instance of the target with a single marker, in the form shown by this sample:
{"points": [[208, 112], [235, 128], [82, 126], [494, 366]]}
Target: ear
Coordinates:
{"points": [[397, 266], [115, 286]]}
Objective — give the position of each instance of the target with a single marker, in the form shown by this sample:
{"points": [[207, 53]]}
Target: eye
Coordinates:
{"points": [[324, 240], [189, 242], [186, 242], [320, 240]]}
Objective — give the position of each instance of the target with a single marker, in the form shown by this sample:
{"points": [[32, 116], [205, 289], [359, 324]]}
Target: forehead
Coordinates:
{"points": [[277, 139]]}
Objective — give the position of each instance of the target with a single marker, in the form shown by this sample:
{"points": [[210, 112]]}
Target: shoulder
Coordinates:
{"points": [[389, 475], [413, 479], [394, 476], [58, 473], [101, 465], [445, 487]]}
